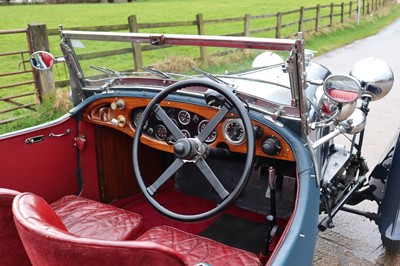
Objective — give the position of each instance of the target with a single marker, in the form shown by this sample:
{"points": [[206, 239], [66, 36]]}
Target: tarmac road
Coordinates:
{"points": [[355, 240]]}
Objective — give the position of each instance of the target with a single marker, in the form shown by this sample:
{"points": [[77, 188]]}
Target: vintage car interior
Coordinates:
{"points": [[104, 139], [199, 171], [188, 195]]}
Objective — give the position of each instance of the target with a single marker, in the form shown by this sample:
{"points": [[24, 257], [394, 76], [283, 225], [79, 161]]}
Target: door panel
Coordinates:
{"points": [[43, 161]]}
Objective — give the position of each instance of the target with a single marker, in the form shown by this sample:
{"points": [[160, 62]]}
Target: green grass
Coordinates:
{"points": [[51, 108], [342, 35], [74, 15]]}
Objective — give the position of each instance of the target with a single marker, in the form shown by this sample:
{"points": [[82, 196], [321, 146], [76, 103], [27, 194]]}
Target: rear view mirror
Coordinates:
{"points": [[342, 88], [42, 60]]}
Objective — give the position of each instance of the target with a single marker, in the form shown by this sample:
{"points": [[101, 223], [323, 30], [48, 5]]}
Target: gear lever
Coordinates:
{"points": [[272, 227]]}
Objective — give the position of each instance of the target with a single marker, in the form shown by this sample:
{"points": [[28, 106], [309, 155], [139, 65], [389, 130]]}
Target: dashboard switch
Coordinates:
{"points": [[271, 145]]}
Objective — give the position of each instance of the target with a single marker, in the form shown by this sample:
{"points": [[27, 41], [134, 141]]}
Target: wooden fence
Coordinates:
{"points": [[283, 25]]}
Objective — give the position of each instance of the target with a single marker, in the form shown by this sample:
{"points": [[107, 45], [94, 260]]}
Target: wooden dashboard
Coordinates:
{"points": [[121, 113]]}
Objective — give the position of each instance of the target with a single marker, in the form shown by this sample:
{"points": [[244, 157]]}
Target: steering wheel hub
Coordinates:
{"points": [[183, 149]]}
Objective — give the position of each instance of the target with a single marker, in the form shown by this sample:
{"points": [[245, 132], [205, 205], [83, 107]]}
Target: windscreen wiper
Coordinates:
{"points": [[211, 76], [156, 72], [109, 71]]}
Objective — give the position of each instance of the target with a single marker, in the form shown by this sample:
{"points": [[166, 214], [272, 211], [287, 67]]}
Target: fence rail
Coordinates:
{"points": [[285, 25], [366, 7]]}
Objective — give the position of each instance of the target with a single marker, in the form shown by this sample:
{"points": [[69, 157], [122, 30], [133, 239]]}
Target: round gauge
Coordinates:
{"points": [[136, 116], [234, 131], [186, 133], [201, 126], [160, 132], [184, 117]]}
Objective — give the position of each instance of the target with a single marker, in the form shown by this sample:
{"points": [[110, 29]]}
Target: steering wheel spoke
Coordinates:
{"points": [[176, 132], [213, 123], [210, 176], [165, 176]]}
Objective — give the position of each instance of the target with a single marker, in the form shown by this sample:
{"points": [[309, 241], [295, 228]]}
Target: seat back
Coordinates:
{"points": [[47, 241], [12, 251]]}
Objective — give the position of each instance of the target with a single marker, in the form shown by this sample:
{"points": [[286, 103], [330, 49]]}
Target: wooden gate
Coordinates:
{"points": [[18, 84]]}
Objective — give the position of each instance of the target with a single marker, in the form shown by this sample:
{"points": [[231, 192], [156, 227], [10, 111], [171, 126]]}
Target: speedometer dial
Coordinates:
{"points": [[136, 116], [234, 131]]}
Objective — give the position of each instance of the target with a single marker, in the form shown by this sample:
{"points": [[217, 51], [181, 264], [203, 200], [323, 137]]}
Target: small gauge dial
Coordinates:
{"points": [[184, 117], [234, 131], [186, 133], [160, 132], [136, 117], [212, 136]]}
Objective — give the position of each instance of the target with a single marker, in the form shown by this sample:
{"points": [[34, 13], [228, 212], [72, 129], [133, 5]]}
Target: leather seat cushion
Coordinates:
{"points": [[88, 218], [197, 249]]}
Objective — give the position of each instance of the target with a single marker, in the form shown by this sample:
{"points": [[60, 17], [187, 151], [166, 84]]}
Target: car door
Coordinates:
{"points": [[43, 159]]}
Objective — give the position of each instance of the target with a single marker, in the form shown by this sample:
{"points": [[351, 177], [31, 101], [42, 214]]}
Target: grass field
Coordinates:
{"points": [[15, 17], [74, 15]]}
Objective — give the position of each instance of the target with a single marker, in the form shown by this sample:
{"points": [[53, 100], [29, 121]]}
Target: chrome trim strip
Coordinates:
{"points": [[179, 39]]}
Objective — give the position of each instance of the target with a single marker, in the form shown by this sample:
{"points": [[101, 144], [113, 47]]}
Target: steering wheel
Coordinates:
{"points": [[194, 150]]}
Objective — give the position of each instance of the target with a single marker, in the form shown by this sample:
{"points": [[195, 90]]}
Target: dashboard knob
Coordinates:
{"points": [[271, 145], [120, 121], [120, 104], [258, 132]]}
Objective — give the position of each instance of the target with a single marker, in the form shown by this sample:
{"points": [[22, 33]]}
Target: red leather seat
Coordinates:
{"points": [[48, 242], [92, 219], [80, 216], [198, 249], [12, 251]]}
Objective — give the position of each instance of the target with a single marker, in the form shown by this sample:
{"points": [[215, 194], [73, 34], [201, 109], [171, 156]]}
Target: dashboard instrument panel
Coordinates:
{"points": [[123, 114]]}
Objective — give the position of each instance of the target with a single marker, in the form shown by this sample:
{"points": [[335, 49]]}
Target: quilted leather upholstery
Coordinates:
{"points": [[38, 211], [197, 249], [92, 219], [47, 242]]}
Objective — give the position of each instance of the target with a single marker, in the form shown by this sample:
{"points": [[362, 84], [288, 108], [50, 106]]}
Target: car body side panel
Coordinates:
{"points": [[389, 221], [299, 244], [48, 167]]}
